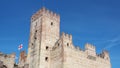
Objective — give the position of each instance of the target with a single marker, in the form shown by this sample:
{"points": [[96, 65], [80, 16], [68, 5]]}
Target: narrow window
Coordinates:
{"points": [[32, 43], [35, 37], [36, 31], [58, 44], [67, 44], [47, 47], [46, 58], [51, 23]]}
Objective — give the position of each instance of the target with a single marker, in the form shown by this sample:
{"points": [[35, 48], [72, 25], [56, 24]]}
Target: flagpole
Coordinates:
{"points": [[20, 49]]}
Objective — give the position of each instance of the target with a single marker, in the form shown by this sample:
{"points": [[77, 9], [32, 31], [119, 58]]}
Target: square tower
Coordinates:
{"points": [[44, 32]]}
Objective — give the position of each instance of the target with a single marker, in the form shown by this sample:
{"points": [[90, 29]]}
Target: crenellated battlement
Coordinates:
{"points": [[45, 12], [12, 55], [89, 46], [90, 49], [105, 52], [67, 36], [7, 60], [78, 48], [104, 55]]}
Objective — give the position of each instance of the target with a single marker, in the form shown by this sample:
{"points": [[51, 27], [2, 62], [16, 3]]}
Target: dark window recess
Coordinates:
{"points": [[58, 44], [91, 57], [35, 37], [67, 44], [36, 31], [47, 47], [5, 56], [4, 66], [51, 23], [46, 58], [32, 43]]}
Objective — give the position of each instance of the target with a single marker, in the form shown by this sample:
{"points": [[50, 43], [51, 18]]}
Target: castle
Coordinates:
{"points": [[48, 49]]}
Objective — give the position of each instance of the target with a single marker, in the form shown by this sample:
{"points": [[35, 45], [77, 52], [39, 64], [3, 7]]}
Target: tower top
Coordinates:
{"points": [[90, 46], [43, 11]]}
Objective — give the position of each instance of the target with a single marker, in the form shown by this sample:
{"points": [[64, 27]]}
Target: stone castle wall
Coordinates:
{"points": [[56, 56], [65, 55], [8, 60], [47, 49], [80, 59]]}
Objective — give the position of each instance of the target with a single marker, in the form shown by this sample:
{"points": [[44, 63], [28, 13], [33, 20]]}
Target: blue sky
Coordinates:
{"points": [[93, 21]]}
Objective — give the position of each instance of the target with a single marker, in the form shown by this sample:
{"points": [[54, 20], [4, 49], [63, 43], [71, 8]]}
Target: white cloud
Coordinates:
{"points": [[112, 43]]}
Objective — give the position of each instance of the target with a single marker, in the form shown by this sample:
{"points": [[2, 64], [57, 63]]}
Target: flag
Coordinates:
{"points": [[20, 46]]}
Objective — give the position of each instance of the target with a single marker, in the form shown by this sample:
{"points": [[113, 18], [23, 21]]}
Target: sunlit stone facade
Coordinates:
{"points": [[48, 49], [7, 60]]}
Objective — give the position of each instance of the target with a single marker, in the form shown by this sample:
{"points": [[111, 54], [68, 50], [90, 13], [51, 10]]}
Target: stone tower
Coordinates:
{"points": [[44, 33], [22, 59]]}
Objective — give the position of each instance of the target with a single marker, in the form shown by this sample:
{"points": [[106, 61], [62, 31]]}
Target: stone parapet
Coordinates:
{"points": [[45, 12]]}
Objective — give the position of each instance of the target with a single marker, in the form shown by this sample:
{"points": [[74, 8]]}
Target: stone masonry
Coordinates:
{"points": [[7, 60], [48, 49]]}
